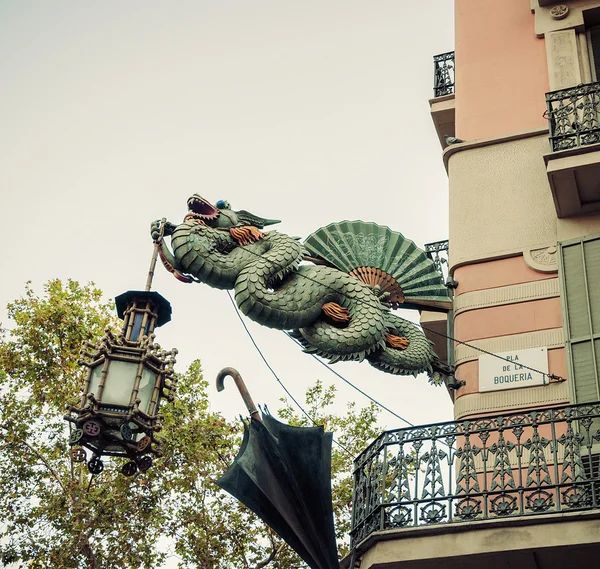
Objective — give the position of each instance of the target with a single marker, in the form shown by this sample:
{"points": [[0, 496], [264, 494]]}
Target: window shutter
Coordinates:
{"points": [[581, 298], [592, 261]]}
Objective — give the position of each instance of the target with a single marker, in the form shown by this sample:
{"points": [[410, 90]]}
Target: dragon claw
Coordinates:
{"points": [[397, 342], [155, 229], [336, 314]]}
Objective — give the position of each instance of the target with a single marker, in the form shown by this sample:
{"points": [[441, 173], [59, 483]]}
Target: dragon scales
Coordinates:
{"points": [[330, 312]]}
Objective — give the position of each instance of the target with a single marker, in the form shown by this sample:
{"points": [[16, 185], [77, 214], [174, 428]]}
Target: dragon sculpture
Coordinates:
{"points": [[281, 284]]}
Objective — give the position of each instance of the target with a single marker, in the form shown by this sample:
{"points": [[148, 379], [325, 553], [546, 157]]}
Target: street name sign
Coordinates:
{"points": [[496, 374]]}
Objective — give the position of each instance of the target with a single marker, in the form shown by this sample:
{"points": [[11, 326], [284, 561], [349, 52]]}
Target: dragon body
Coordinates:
{"points": [[274, 288]]}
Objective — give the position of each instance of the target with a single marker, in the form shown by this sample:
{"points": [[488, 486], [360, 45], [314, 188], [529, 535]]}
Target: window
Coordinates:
{"points": [[593, 38], [591, 20]]}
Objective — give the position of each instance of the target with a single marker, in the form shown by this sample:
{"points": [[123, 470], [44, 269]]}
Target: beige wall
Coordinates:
{"points": [[572, 227], [501, 71], [500, 200]]}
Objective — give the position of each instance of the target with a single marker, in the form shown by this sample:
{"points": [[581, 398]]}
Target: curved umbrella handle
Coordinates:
{"points": [[239, 382]]}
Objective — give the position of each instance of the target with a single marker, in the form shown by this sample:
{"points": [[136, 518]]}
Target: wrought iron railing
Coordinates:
{"points": [[438, 253], [443, 74], [538, 462], [573, 118]]}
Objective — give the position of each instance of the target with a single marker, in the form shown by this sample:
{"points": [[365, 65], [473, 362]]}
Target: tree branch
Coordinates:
{"points": [[41, 457], [276, 549], [89, 553], [270, 558]]}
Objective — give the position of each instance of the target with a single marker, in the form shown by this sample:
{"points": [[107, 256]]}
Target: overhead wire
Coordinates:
{"points": [[550, 376], [379, 404], [264, 359], [237, 311]]}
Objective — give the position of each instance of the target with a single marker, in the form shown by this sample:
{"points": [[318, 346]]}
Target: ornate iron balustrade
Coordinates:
{"points": [[443, 74], [573, 118], [438, 253], [538, 462]]}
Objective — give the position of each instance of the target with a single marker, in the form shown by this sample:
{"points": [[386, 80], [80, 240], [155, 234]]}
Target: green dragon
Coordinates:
{"points": [[331, 313]]}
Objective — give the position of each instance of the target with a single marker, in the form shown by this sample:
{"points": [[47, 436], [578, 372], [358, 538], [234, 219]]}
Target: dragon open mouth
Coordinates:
{"points": [[202, 209]]}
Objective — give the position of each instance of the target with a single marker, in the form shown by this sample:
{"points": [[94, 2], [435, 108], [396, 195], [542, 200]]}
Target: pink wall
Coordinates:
{"points": [[508, 319], [501, 71], [504, 320], [491, 274]]}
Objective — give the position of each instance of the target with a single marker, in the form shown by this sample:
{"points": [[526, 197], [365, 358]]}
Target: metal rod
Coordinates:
{"points": [[157, 243], [239, 382]]}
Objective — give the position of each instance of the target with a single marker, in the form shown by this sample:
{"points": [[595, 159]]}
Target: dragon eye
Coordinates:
{"points": [[221, 204]]}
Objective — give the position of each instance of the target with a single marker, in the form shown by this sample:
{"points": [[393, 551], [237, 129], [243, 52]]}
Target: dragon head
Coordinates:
{"points": [[201, 209], [221, 215]]}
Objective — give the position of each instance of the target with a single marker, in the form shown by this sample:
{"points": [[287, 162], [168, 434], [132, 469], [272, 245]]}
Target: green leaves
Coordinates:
{"points": [[55, 515]]}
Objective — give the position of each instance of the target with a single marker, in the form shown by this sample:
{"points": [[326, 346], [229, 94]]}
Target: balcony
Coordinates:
{"points": [[443, 74], [435, 324], [517, 488], [442, 104], [573, 165]]}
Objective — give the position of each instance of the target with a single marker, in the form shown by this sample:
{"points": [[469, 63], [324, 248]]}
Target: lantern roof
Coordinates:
{"points": [[163, 305]]}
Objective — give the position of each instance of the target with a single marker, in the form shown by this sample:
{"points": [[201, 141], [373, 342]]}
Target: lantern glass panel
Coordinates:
{"points": [[95, 379], [137, 324], [147, 384], [119, 383]]}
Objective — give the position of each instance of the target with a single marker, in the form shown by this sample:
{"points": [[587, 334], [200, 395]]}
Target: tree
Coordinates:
{"points": [[55, 514], [355, 430]]}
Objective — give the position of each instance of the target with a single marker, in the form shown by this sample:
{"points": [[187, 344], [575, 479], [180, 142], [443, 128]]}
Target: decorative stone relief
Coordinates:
{"points": [[559, 12], [512, 294], [544, 260], [563, 59]]}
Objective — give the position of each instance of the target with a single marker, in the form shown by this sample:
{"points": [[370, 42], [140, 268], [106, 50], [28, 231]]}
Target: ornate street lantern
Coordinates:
{"points": [[128, 375]]}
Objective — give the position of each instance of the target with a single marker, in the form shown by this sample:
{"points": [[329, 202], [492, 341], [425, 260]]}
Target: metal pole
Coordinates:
{"points": [[157, 243]]}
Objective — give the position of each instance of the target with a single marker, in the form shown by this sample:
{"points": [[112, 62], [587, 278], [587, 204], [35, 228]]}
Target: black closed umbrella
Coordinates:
{"points": [[283, 474]]}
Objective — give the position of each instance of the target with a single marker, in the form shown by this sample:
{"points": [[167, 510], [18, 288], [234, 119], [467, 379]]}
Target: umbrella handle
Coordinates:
{"points": [[239, 382]]}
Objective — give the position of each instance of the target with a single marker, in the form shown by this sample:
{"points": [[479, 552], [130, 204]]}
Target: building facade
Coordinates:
{"points": [[514, 481]]}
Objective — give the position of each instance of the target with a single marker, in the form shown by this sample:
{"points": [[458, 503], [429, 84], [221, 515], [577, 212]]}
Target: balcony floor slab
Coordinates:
{"points": [[535, 542]]}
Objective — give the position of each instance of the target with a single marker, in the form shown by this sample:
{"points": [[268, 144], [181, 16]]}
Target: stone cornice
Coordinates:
{"points": [[503, 401], [512, 294], [481, 142], [553, 338]]}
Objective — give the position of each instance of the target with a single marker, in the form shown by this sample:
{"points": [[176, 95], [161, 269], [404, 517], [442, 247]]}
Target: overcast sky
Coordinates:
{"points": [[314, 111]]}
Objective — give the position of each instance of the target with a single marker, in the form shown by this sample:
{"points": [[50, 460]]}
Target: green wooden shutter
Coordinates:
{"points": [[580, 272]]}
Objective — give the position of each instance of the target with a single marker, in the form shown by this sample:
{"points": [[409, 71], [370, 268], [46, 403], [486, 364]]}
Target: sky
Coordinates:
{"points": [[113, 113]]}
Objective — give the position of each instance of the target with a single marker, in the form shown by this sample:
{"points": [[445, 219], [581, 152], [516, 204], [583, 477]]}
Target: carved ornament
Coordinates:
{"points": [[559, 12], [544, 259]]}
